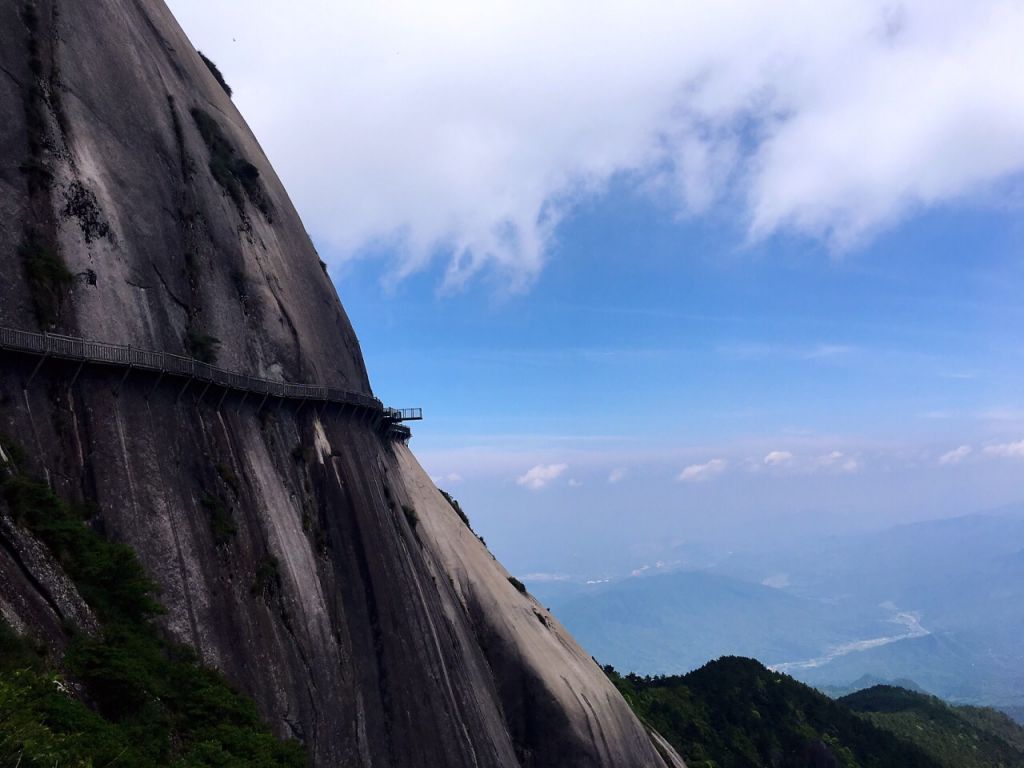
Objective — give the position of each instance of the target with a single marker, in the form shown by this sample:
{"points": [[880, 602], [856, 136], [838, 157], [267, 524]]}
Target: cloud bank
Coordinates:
{"points": [[467, 132], [1007, 450]]}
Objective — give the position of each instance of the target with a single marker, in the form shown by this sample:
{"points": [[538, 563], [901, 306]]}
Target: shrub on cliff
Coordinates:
{"points": [[150, 701], [215, 71]]}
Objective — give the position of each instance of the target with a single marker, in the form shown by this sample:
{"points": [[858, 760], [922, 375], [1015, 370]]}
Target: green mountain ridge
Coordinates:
{"points": [[956, 736], [736, 713]]}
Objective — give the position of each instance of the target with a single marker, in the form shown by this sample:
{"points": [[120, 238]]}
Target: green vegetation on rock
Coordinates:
{"points": [[238, 177], [215, 71], [458, 508], [202, 346], [48, 280], [124, 695]]}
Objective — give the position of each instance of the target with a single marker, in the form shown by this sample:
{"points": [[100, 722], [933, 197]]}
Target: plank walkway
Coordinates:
{"points": [[48, 346]]}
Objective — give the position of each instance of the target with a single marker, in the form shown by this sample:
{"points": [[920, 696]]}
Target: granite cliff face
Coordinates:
{"points": [[299, 551]]}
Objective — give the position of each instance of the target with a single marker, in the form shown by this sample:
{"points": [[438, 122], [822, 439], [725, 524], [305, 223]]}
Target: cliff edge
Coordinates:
{"points": [[299, 550]]}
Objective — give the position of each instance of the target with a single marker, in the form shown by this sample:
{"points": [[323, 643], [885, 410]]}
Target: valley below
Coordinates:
{"points": [[931, 605]]}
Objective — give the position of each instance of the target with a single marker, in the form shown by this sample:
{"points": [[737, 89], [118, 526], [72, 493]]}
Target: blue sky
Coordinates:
{"points": [[651, 344], [667, 278]]}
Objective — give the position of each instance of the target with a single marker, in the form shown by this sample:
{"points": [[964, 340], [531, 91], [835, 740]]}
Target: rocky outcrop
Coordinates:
{"points": [[299, 551]]}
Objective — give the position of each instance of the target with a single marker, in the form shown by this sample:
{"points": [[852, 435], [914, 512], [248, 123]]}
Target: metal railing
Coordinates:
{"points": [[51, 345], [405, 414]]}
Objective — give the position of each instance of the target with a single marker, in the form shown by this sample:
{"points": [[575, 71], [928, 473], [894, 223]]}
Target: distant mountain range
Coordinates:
{"points": [[940, 603], [677, 621], [736, 713]]}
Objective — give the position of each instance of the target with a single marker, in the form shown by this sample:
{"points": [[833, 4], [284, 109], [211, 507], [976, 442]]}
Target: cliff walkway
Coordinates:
{"points": [[192, 372]]}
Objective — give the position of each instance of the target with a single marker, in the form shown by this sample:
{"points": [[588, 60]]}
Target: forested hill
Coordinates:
{"points": [[957, 737], [735, 713]]}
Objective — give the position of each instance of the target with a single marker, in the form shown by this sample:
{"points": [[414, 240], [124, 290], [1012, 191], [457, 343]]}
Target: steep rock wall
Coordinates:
{"points": [[136, 207]]}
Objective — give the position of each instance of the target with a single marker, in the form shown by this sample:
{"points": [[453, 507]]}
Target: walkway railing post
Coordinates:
{"points": [[127, 371]]}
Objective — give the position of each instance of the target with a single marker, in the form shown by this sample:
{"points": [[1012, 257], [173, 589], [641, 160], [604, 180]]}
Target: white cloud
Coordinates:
{"points": [[698, 472], [452, 478], [777, 581], [956, 455], [1007, 450], [838, 460], [617, 475], [778, 458], [472, 129], [546, 577], [829, 459], [574, 483], [541, 475]]}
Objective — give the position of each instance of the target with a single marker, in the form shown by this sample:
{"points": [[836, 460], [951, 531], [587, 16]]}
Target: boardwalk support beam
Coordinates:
{"points": [[36, 369]]}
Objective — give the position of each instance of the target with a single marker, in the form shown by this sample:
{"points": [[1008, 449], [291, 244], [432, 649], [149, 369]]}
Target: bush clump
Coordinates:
{"points": [[268, 575], [520, 587], [457, 507], [215, 71], [236, 175], [80, 202], [222, 523], [151, 703], [10, 452], [229, 477], [411, 516], [48, 280], [202, 346]]}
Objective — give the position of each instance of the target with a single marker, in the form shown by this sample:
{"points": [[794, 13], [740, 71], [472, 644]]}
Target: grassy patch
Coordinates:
{"points": [[520, 587], [150, 703]]}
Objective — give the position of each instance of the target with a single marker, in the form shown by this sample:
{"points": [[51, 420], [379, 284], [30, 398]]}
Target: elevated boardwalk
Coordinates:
{"points": [[47, 346]]}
